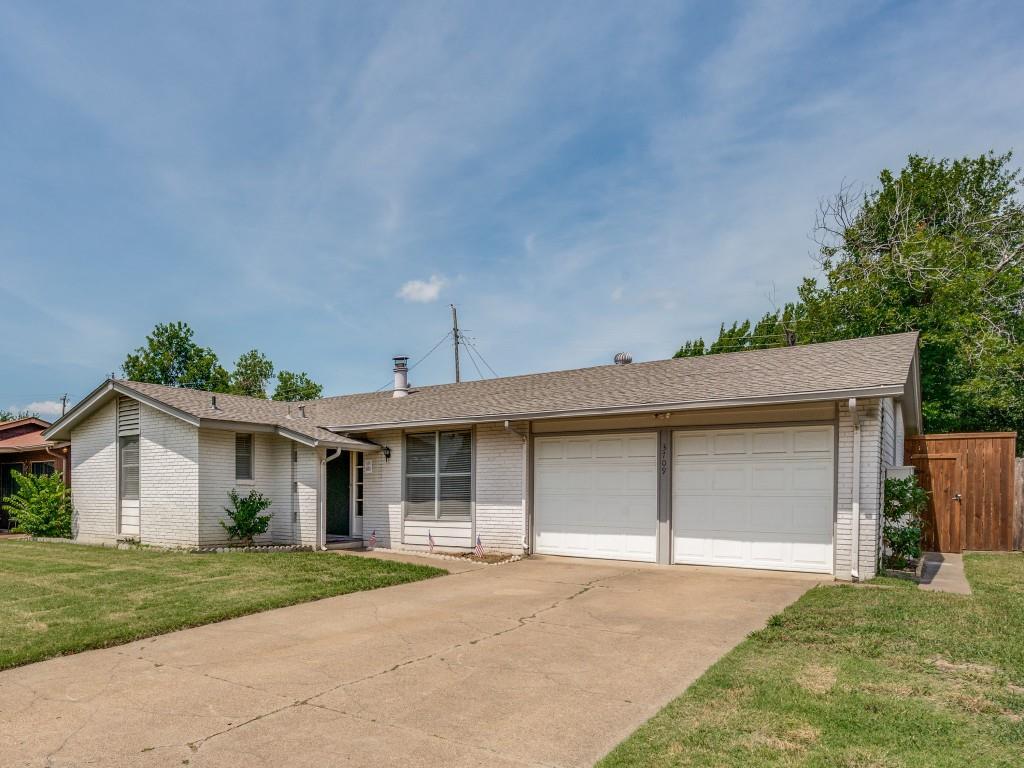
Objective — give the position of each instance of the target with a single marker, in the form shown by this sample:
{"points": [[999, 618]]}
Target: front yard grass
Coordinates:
{"points": [[861, 677], [64, 598]]}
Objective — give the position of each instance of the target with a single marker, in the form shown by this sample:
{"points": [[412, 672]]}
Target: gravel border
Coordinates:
{"points": [[510, 558]]}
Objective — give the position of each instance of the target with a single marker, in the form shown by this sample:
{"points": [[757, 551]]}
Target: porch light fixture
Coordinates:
{"points": [[387, 454]]}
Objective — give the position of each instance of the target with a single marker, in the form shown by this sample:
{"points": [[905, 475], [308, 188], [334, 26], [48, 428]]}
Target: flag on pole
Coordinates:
{"points": [[478, 550], [373, 539], [430, 541]]}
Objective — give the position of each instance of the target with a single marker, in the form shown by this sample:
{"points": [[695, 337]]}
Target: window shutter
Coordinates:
{"points": [[129, 455], [420, 480], [243, 457]]}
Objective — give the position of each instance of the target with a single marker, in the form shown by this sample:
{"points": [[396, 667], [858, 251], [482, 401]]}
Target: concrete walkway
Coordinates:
{"points": [[545, 662], [944, 572]]}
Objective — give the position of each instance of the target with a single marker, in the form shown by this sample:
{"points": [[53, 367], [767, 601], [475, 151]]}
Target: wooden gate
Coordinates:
{"points": [[970, 480]]}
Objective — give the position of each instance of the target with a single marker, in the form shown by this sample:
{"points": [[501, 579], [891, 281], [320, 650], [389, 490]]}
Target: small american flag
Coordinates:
{"points": [[373, 539], [430, 541], [478, 550]]}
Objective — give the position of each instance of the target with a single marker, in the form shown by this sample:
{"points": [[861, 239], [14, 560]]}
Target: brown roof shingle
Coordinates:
{"points": [[803, 372]]}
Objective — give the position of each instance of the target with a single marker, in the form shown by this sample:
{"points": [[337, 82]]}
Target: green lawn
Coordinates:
{"points": [[859, 677], [63, 598]]}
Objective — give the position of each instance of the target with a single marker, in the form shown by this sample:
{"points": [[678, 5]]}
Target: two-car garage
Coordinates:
{"points": [[758, 497]]}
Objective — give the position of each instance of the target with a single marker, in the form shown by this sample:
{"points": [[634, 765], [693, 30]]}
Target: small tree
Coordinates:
{"points": [[903, 524], [41, 506], [296, 386], [247, 520]]}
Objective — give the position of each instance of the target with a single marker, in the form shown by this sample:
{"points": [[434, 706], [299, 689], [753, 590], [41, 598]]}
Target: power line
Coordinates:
{"points": [[413, 366], [472, 359], [482, 358]]}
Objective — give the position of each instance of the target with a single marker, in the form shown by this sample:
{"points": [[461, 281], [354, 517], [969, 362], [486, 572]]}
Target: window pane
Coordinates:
{"points": [[419, 495], [455, 496], [42, 468], [243, 457], [456, 451], [419, 454], [129, 455]]}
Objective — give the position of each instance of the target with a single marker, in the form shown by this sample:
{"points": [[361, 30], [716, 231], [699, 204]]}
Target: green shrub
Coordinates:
{"points": [[247, 521], [41, 506], [903, 524]]}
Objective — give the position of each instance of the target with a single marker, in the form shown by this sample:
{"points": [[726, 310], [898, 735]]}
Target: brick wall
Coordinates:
{"points": [[168, 480], [382, 491], [271, 476], [500, 521], [94, 466]]}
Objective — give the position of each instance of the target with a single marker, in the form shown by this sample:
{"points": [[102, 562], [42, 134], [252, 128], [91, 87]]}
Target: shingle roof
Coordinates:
{"points": [[853, 365], [878, 364], [249, 410]]}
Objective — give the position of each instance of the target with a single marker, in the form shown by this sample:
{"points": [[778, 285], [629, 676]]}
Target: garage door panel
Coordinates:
{"points": [[729, 478], [769, 477], [596, 496], [758, 498], [730, 443], [813, 441], [815, 477], [773, 442], [688, 444]]}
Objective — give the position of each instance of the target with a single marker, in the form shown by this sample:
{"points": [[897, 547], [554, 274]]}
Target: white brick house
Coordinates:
{"points": [[766, 459]]}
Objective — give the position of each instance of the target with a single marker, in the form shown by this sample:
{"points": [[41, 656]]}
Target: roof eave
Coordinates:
{"points": [[887, 390], [98, 396]]}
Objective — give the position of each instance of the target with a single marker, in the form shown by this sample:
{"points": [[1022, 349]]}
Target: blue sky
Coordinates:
{"points": [[320, 181]]}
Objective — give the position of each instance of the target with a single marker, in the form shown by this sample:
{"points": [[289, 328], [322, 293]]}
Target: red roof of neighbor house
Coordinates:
{"points": [[24, 440]]}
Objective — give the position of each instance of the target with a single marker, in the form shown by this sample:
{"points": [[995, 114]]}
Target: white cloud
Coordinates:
{"points": [[423, 291], [45, 408]]}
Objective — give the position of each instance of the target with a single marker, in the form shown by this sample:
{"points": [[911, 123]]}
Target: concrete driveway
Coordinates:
{"points": [[542, 662]]}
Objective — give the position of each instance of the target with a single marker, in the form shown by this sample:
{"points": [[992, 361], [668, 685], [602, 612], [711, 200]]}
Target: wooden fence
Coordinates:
{"points": [[972, 486], [1018, 496]]}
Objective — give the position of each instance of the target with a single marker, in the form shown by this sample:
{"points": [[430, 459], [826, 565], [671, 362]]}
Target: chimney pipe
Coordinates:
{"points": [[401, 377]]}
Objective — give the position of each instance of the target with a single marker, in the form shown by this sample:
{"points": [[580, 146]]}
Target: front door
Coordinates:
{"points": [[338, 474], [7, 487]]}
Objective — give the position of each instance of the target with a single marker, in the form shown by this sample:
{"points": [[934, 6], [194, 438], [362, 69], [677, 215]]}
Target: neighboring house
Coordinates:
{"points": [[763, 459], [23, 448]]}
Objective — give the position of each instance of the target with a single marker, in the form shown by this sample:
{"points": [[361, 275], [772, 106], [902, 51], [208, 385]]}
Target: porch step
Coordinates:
{"points": [[344, 542]]}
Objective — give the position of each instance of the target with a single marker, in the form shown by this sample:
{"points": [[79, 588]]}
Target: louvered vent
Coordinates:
{"points": [[127, 416]]}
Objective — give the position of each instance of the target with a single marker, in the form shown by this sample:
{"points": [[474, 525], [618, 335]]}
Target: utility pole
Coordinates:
{"points": [[455, 342], [63, 403]]}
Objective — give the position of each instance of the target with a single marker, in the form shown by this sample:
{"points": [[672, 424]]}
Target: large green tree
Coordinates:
{"points": [[296, 386], [251, 374], [170, 357], [939, 248]]}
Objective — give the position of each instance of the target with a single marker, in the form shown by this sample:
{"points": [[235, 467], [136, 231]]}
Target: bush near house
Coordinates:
{"points": [[41, 506], [245, 512], [903, 521]]}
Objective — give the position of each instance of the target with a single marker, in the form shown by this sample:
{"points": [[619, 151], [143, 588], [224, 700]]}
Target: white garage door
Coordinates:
{"points": [[755, 498], [596, 496]]}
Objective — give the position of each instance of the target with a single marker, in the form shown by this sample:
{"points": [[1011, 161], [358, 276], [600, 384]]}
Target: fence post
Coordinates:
{"points": [[1018, 504]]}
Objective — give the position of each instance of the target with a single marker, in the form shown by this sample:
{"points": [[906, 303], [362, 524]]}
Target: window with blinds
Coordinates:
{"points": [[128, 455], [439, 475], [243, 457]]}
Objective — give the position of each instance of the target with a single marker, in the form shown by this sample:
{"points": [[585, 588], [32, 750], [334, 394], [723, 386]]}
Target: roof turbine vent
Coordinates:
{"points": [[623, 358]]}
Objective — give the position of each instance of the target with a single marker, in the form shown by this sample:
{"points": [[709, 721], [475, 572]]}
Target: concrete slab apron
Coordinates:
{"points": [[542, 662]]}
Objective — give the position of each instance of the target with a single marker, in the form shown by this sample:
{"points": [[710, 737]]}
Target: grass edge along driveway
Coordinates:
{"points": [[862, 677], [58, 599]]}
